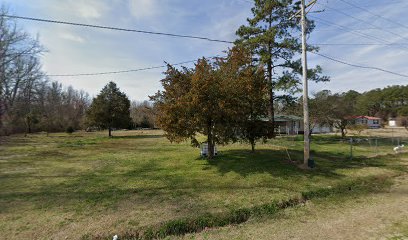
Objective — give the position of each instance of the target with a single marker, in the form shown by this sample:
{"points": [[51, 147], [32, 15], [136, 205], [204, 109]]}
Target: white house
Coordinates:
{"points": [[370, 122], [288, 124], [322, 128], [293, 125]]}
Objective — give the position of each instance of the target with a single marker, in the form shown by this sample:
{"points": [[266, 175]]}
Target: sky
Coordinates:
{"points": [[74, 50]]}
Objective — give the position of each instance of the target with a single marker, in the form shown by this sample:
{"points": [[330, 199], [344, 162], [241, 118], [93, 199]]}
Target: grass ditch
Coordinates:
{"points": [[359, 186]]}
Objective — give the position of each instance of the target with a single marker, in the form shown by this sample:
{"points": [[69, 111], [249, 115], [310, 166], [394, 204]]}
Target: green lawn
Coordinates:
{"points": [[87, 184]]}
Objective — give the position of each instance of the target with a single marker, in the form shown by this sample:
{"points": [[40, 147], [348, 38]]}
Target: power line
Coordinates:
{"points": [[356, 32], [355, 29], [360, 66], [191, 61], [365, 35], [359, 44], [123, 29], [389, 2], [115, 28], [122, 71], [374, 14], [366, 22]]}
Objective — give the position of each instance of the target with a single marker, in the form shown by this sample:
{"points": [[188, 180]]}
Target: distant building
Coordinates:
{"points": [[397, 122], [322, 128], [293, 125], [370, 122], [392, 122], [289, 124]]}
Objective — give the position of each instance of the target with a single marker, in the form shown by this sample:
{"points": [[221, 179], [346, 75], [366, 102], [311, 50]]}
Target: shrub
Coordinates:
{"points": [[70, 130]]}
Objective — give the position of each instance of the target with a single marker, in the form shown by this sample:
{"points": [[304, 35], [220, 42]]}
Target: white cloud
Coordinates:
{"points": [[72, 37], [143, 8], [90, 8]]}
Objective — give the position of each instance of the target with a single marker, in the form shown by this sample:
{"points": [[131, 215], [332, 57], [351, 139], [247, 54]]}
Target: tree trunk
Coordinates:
{"points": [[252, 145], [210, 141], [343, 133], [28, 126], [110, 131], [271, 110]]}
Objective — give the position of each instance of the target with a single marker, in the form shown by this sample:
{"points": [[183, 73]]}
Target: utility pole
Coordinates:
{"points": [[306, 150]]}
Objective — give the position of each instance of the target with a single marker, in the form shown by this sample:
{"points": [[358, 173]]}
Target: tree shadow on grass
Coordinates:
{"points": [[104, 190], [137, 136], [273, 162], [276, 163]]}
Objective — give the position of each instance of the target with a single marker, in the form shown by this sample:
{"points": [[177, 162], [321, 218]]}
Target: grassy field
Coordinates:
{"points": [[373, 215], [86, 184]]}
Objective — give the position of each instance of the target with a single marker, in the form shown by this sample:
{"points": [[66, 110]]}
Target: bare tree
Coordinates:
{"points": [[28, 102], [142, 114], [20, 69]]}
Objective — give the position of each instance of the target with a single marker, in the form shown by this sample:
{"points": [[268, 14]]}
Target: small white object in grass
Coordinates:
{"points": [[399, 148], [115, 237]]}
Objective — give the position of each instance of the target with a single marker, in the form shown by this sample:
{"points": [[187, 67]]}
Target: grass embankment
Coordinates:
{"points": [[85, 184]]}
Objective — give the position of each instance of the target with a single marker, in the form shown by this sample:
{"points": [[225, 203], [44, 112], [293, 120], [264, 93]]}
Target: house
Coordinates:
{"points": [[293, 125], [289, 124], [322, 128], [370, 122]]}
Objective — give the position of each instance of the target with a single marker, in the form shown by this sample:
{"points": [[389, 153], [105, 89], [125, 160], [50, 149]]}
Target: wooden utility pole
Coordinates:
{"points": [[306, 150]]}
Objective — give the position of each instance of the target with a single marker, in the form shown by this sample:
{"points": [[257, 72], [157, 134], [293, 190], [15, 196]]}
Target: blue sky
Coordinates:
{"points": [[83, 50]]}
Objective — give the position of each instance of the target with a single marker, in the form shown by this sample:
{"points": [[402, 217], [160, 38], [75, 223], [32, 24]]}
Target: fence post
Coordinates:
{"points": [[376, 145], [351, 148]]}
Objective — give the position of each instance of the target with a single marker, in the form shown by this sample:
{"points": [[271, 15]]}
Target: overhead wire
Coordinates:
{"points": [[366, 22], [389, 2], [358, 44], [360, 66], [115, 28], [385, 42], [362, 34], [374, 14], [161, 33], [356, 32], [124, 71]]}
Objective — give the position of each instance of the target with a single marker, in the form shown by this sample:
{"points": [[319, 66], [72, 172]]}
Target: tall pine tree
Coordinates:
{"points": [[273, 35]]}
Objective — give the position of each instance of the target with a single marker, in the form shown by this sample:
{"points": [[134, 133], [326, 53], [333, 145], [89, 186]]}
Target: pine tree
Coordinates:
{"points": [[272, 34], [110, 109]]}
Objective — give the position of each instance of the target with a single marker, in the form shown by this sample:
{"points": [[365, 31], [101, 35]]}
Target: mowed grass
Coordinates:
{"points": [[85, 184]]}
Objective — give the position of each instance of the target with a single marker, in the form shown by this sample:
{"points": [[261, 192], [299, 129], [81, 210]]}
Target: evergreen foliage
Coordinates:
{"points": [[110, 109], [272, 35]]}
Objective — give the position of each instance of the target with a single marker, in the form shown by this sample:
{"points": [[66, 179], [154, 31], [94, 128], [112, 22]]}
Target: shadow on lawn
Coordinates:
{"points": [[101, 189], [137, 136], [276, 163]]}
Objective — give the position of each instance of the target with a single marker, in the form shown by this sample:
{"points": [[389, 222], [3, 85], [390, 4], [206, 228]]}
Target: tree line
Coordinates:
{"points": [[31, 102], [335, 109]]}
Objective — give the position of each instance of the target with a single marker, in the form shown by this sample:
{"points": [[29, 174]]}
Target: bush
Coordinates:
{"points": [[358, 128], [70, 130]]}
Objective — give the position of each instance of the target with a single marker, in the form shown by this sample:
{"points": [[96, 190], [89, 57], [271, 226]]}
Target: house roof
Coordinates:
{"points": [[284, 118], [366, 117]]}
